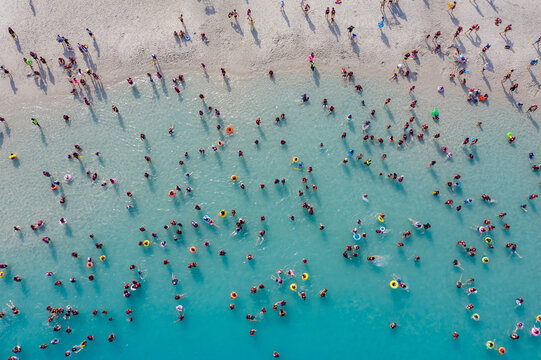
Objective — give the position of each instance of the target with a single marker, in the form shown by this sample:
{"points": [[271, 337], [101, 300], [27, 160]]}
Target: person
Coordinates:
{"points": [[13, 308], [90, 33], [282, 6], [35, 122], [533, 62], [350, 30], [507, 28], [5, 71]]}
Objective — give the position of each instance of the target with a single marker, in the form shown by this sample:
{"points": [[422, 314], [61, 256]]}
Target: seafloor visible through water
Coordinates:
{"points": [[353, 319]]}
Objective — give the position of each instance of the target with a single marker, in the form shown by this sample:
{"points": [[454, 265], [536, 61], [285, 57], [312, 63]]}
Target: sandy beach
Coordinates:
{"points": [[126, 34]]}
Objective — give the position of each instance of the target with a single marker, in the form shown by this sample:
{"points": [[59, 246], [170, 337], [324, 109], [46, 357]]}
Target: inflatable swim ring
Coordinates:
{"points": [[233, 295], [234, 178], [223, 213], [305, 276], [489, 344], [12, 156], [488, 240], [356, 237], [393, 284], [89, 264], [2, 274], [146, 243], [102, 258], [475, 317], [381, 219], [293, 287], [485, 260], [229, 129], [382, 229], [172, 193], [501, 350], [193, 249]]}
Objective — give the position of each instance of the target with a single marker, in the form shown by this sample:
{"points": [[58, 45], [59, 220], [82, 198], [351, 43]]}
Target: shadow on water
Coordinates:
{"points": [[316, 76], [135, 92]]}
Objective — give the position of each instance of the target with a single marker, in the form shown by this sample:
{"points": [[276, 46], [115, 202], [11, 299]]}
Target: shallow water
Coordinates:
{"points": [[355, 315]]}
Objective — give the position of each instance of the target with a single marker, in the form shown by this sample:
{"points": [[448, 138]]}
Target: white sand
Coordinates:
{"points": [[128, 32]]}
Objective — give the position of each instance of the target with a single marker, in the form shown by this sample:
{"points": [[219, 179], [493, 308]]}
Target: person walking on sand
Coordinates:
{"points": [[507, 28], [282, 6], [532, 63], [537, 42], [5, 71], [507, 76], [452, 7], [328, 11], [90, 33], [35, 122], [333, 13], [181, 18]]}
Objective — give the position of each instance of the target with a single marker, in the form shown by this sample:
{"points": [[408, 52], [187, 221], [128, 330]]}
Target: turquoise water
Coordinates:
{"points": [[354, 317]]}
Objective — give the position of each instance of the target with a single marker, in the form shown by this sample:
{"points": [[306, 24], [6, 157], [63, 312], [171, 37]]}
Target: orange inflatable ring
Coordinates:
{"points": [[229, 129], [233, 295], [172, 193], [501, 350], [220, 143], [89, 264], [193, 249]]}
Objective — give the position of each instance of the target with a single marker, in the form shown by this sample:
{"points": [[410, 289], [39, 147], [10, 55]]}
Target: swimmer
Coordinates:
{"points": [[374, 258], [365, 198], [416, 224], [260, 237]]}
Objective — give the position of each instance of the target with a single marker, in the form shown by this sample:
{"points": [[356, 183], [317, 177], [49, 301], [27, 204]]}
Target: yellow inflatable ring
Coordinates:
{"points": [[538, 317], [102, 258], [234, 178], [381, 219], [295, 159], [489, 344], [488, 240], [393, 284], [475, 317], [223, 213], [485, 260], [305, 276], [146, 243], [293, 287], [12, 156], [2, 274]]}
